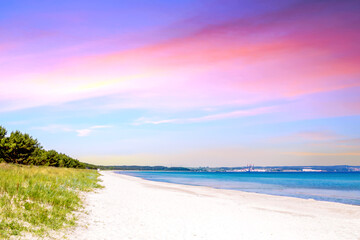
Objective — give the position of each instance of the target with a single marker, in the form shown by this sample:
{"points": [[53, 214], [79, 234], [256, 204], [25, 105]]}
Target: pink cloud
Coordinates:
{"points": [[239, 62]]}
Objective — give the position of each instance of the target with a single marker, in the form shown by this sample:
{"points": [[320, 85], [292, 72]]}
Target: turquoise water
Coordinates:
{"points": [[333, 187]]}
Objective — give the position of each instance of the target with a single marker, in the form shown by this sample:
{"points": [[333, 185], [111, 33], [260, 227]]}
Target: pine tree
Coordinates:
{"points": [[3, 133], [19, 148]]}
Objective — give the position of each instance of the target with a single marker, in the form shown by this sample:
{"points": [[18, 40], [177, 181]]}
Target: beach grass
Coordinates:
{"points": [[37, 200]]}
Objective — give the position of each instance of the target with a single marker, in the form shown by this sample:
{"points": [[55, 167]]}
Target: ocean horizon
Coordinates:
{"points": [[323, 186]]}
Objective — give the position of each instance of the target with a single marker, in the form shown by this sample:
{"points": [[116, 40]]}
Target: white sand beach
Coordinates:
{"points": [[133, 208]]}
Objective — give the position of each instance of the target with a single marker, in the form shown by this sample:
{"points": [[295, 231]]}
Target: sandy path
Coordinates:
{"points": [[133, 208]]}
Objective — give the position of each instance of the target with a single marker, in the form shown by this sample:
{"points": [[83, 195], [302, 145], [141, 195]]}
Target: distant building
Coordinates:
{"points": [[259, 170], [310, 170]]}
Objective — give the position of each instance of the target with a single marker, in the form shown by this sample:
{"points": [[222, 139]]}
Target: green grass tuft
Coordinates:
{"points": [[37, 200]]}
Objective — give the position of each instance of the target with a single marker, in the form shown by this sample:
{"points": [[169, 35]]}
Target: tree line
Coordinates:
{"points": [[144, 168], [21, 148]]}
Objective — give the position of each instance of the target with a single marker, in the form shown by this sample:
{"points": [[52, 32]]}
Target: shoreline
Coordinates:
{"points": [[134, 208], [184, 184]]}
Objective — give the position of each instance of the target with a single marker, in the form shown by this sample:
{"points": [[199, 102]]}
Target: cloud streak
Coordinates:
{"points": [[321, 154], [87, 131], [207, 118], [311, 136], [63, 128]]}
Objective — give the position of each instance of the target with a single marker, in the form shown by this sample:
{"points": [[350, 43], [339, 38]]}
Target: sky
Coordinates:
{"points": [[184, 83]]}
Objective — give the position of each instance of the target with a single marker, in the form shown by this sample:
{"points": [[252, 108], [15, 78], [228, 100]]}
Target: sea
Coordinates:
{"points": [[323, 186]]}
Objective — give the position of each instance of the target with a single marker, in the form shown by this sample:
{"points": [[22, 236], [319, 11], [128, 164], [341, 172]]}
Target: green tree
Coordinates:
{"points": [[20, 148], [53, 158], [38, 157], [23, 149], [3, 133]]}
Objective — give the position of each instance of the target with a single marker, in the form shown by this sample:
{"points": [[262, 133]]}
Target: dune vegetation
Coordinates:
{"points": [[39, 189], [37, 200]]}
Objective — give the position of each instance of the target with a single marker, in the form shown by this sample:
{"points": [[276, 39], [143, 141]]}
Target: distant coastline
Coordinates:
{"points": [[249, 168]]}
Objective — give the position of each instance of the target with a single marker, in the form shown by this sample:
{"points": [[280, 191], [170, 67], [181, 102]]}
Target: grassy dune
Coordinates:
{"points": [[37, 200]]}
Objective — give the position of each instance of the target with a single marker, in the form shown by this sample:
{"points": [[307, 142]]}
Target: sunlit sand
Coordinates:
{"points": [[133, 208]]}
